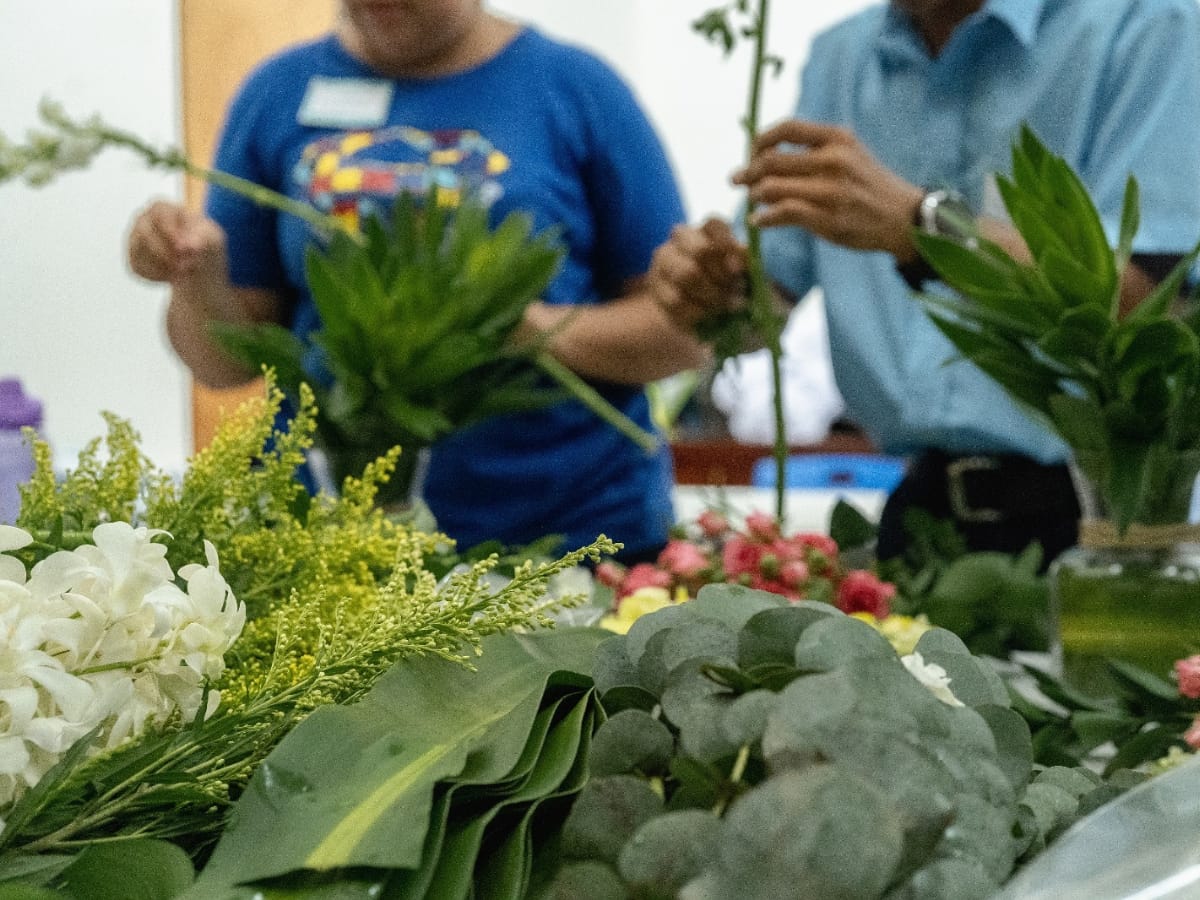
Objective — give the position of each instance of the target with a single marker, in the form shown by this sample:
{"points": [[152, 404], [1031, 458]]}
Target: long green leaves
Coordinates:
{"points": [[1123, 393], [416, 318], [424, 777]]}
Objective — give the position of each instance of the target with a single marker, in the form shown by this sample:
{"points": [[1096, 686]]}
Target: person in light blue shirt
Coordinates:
{"points": [[906, 110]]}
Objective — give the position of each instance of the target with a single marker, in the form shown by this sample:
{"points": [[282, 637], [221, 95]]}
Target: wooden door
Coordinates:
{"points": [[220, 41]]}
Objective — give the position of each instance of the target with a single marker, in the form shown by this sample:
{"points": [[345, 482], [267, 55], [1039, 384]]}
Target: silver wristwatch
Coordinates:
{"points": [[944, 213]]}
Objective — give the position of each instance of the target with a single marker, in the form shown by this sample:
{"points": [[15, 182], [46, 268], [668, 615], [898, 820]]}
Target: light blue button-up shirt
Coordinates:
{"points": [[1111, 85]]}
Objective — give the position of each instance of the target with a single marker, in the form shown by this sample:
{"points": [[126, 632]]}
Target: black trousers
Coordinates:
{"points": [[997, 502]]}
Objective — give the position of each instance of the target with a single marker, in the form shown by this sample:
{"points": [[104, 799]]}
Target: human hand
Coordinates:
{"points": [[831, 185], [171, 243], [698, 272]]}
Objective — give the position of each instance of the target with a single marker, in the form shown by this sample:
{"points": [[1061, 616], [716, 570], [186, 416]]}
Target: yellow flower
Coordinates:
{"points": [[631, 608], [902, 632]]}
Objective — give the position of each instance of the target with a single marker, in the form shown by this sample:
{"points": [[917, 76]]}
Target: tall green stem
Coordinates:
{"points": [[762, 310]]}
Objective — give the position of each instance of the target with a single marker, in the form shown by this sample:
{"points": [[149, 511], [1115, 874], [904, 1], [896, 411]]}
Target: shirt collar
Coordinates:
{"points": [[898, 40]]}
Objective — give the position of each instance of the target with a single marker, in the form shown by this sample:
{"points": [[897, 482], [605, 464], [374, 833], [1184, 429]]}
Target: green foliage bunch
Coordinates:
{"points": [[1122, 392], [416, 319], [760, 749], [336, 593]]}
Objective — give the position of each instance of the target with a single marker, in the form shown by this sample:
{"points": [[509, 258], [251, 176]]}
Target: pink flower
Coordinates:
{"points": [[1187, 671], [1192, 736], [610, 574], [741, 556], [775, 586], [644, 575], [712, 523], [862, 591], [762, 526], [822, 543], [794, 572], [683, 559]]}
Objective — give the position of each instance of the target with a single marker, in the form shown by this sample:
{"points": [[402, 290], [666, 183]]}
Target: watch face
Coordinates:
{"points": [[946, 214]]}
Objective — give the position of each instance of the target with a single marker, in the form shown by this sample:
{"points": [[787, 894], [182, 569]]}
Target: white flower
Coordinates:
{"points": [[103, 636], [12, 538], [932, 676]]}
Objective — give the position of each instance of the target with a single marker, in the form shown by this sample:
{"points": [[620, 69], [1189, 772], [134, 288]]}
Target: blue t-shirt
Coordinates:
{"points": [[1113, 86], [543, 128]]}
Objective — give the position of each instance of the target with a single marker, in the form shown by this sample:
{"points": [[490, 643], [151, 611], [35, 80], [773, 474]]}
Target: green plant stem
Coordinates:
{"points": [[175, 160], [590, 397], [762, 312]]}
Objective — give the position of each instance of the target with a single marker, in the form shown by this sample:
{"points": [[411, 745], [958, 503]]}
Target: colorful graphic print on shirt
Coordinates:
{"points": [[354, 174]]}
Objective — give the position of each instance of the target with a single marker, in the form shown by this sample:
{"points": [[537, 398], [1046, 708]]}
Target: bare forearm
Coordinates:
{"points": [[626, 341], [192, 311]]}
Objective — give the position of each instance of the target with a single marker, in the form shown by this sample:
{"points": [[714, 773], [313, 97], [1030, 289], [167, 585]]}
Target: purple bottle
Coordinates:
{"points": [[17, 410]]}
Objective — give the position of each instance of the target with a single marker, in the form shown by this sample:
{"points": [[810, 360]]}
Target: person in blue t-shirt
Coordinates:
{"points": [[436, 92], [907, 110]]}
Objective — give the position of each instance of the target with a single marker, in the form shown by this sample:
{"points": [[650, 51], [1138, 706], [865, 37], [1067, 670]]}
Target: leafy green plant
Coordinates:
{"points": [[1139, 721], [755, 748], [1122, 392], [416, 317], [336, 593], [731, 332], [453, 773]]}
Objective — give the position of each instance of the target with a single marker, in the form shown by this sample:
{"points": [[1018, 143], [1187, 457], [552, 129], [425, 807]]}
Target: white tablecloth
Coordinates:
{"points": [[806, 509]]}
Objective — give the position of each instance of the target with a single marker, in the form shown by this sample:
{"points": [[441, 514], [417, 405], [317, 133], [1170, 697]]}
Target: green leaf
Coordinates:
{"points": [[347, 785], [770, 636], [631, 742], [844, 839], [137, 869], [1130, 221], [606, 814], [849, 527], [668, 851], [1166, 293]]}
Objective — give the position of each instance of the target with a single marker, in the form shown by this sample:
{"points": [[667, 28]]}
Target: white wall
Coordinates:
{"points": [[693, 93], [81, 333], [86, 336]]}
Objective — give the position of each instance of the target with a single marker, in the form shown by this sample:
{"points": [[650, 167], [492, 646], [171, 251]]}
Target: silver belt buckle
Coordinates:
{"points": [[959, 505]]}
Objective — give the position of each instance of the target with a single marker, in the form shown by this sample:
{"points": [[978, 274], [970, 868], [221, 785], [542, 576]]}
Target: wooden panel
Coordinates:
{"points": [[220, 41]]}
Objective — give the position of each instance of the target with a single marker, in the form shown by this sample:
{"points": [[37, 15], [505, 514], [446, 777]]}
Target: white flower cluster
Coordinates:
{"points": [[45, 154], [103, 636]]}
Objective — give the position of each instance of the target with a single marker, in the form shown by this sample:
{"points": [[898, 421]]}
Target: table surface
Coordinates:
{"points": [[805, 509]]}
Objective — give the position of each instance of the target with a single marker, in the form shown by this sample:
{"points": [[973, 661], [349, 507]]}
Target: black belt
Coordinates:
{"points": [[985, 488]]}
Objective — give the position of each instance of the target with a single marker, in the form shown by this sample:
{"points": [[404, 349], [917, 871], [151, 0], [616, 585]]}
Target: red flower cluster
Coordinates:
{"points": [[798, 566]]}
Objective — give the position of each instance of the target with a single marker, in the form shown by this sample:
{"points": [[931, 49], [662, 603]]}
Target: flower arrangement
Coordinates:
{"points": [[139, 695], [759, 555]]}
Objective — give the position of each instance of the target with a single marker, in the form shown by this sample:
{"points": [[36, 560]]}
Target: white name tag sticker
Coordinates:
{"points": [[345, 103]]}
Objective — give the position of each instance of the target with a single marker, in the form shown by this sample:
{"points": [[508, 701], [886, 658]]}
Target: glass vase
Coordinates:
{"points": [[1134, 596]]}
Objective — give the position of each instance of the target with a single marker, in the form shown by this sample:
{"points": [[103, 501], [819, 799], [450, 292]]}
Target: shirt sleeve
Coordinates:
{"points": [[250, 228], [1150, 94], [630, 183]]}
